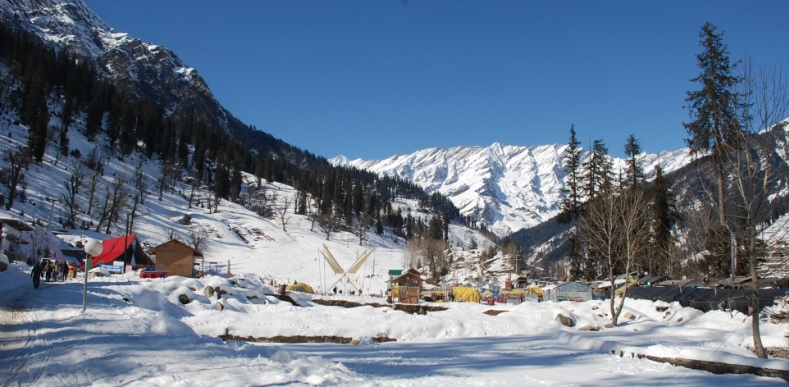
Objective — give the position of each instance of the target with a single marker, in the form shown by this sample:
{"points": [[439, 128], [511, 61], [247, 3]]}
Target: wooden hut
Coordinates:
{"points": [[568, 291], [177, 258], [406, 287]]}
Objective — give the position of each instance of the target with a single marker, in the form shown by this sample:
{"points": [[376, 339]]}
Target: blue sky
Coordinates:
{"points": [[371, 79]]}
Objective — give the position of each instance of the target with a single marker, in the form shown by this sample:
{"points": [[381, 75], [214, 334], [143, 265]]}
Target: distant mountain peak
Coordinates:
{"points": [[507, 187]]}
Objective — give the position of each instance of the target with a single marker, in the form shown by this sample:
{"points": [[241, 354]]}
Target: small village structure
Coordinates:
{"points": [[406, 287], [177, 258], [121, 252], [14, 245], [346, 277], [393, 273], [568, 291]]}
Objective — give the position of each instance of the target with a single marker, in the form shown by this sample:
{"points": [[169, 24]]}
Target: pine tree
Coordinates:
{"points": [[635, 173], [662, 222], [597, 184], [597, 171], [715, 127], [571, 202]]}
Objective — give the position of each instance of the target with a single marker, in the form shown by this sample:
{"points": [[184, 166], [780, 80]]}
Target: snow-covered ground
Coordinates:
{"points": [[137, 333]]}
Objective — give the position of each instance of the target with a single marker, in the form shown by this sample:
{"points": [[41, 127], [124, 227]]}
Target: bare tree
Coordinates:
{"points": [[108, 209], [634, 219], [365, 222], [194, 182], [263, 201], [198, 237], [11, 176], [327, 221], [412, 258], [72, 186], [616, 224], [434, 253], [166, 170], [216, 202], [282, 212], [95, 164], [753, 172]]}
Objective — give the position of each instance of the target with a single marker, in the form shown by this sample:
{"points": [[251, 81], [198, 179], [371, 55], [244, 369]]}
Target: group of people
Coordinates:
{"points": [[51, 271]]}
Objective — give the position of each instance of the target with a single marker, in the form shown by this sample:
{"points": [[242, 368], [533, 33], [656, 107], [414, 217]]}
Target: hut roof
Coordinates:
{"points": [[410, 273], [176, 241], [572, 286]]}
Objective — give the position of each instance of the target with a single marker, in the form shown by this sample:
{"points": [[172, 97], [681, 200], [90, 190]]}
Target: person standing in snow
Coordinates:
{"points": [[48, 271], [36, 274]]}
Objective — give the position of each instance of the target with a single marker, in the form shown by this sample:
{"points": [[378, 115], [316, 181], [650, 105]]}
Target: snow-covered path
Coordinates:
{"points": [[136, 333], [506, 361]]}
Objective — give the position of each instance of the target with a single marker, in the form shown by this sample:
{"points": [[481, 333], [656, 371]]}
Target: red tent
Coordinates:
{"points": [[122, 248]]}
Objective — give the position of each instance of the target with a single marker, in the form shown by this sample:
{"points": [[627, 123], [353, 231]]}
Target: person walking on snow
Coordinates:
{"points": [[36, 274], [48, 271]]}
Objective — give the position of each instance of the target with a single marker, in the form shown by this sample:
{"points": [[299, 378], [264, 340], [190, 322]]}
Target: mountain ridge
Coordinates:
{"points": [[508, 187], [145, 70]]}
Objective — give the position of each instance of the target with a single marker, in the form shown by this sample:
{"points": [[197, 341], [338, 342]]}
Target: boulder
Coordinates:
{"points": [[218, 292], [209, 291], [184, 299], [564, 320]]}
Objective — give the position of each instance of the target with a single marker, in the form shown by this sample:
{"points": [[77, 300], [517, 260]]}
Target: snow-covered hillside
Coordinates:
{"points": [[237, 238], [505, 186]]}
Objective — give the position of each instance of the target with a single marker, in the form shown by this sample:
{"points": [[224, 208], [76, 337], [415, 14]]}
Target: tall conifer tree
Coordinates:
{"points": [[715, 127], [635, 173], [571, 203]]}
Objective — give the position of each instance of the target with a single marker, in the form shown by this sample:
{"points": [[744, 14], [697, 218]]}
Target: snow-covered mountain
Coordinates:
{"points": [[145, 70], [73, 27], [505, 186]]}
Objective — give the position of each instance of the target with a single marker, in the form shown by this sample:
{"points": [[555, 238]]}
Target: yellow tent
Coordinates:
{"points": [[630, 282], [465, 294], [300, 287], [534, 290]]}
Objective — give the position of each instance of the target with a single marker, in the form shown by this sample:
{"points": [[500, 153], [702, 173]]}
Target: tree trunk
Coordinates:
{"points": [[758, 347]]}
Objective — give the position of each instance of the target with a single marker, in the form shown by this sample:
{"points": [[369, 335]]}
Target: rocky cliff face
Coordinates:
{"points": [[138, 68], [506, 187]]}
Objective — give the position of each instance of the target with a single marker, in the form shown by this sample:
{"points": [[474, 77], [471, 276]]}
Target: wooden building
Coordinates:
{"points": [[177, 258], [406, 287]]}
